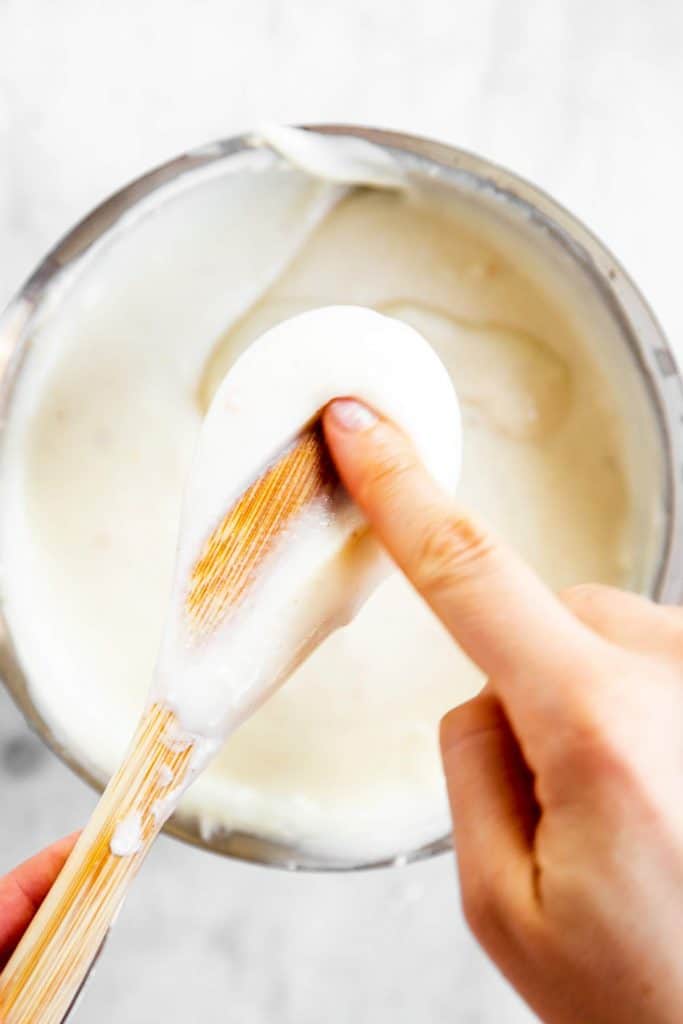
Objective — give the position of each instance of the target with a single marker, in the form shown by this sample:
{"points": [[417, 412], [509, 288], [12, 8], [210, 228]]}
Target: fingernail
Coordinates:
{"points": [[348, 414]]}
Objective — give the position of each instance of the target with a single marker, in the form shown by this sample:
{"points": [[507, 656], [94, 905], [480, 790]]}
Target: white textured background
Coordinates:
{"points": [[581, 96]]}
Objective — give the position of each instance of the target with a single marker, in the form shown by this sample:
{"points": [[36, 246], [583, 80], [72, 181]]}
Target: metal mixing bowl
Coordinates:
{"points": [[648, 351]]}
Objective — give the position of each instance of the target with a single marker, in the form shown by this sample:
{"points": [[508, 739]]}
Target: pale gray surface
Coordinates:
{"points": [[580, 96]]}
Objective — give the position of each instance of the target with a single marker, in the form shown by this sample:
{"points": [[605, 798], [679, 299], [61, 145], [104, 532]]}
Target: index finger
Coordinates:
{"points": [[494, 605]]}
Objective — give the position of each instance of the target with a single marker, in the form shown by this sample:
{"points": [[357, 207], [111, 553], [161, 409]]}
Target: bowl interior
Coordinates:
{"points": [[632, 357]]}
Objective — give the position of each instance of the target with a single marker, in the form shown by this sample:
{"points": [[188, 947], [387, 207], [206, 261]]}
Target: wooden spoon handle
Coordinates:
{"points": [[50, 963]]}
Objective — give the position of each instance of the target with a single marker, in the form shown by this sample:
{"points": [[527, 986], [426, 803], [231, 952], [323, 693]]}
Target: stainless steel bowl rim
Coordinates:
{"points": [[648, 345]]}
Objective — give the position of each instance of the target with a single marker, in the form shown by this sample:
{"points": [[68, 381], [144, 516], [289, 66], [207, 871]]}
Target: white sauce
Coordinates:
{"points": [[335, 158], [328, 563], [343, 760], [127, 837], [165, 775]]}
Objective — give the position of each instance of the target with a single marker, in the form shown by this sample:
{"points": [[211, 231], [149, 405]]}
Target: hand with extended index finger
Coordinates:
{"points": [[565, 773]]}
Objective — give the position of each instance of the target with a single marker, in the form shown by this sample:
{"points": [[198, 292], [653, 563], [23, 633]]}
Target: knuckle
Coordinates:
{"points": [[589, 751], [383, 477], [584, 729], [451, 546], [482, 909], [491, 915]]}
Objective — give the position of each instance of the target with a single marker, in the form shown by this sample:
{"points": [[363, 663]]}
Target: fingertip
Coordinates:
{"points": [[349, 416], [350, 429], [372, 455], [37, 874], [63, 847]]}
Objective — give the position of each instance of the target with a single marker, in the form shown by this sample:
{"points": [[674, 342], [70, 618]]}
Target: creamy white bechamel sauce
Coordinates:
{"points": [[318, 572], [123, 364]]}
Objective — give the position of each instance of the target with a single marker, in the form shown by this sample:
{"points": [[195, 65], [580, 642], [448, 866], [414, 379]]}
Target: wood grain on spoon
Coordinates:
{"points": [[237, 547]]}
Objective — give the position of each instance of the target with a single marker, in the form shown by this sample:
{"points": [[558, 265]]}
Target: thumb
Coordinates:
{"points": [[490, 790]]}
